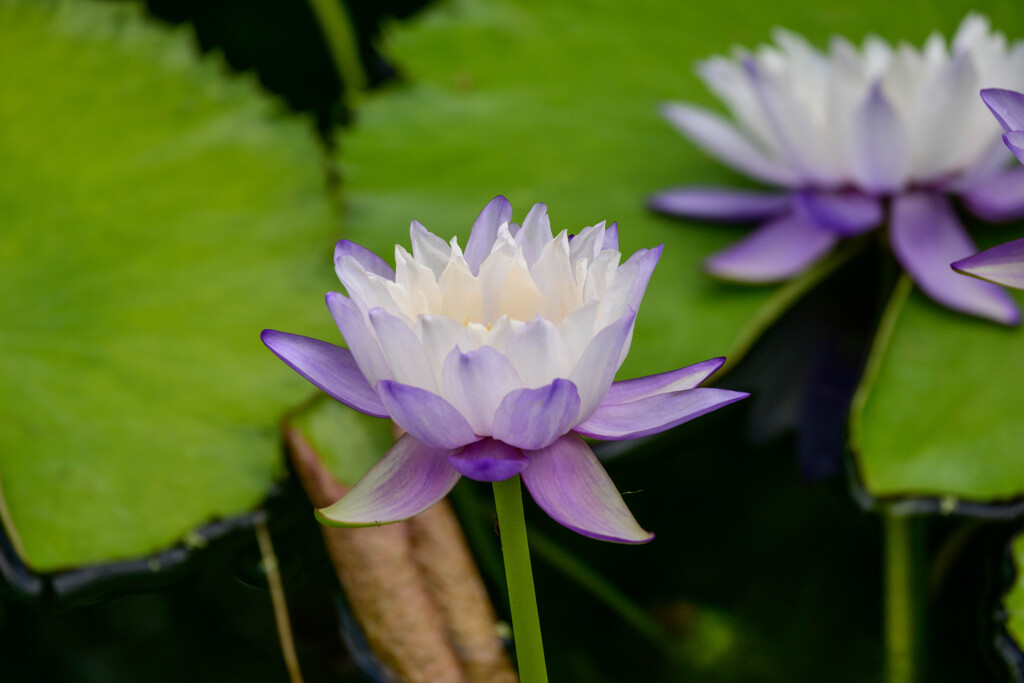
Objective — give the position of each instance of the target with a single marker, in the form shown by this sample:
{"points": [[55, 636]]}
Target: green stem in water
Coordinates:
{"points": [[341, 41], [508, 501], [904, 597]]}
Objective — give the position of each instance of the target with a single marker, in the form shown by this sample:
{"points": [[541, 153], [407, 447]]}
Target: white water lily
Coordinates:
{"points": [[844, 130], [495, 361]]}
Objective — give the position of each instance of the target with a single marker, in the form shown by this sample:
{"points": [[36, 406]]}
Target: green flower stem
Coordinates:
{"points": [[341, 41], [508, 501], [904, 597]]}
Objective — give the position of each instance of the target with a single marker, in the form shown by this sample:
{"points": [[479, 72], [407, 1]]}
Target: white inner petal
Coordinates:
{"points": [[798, 104], [539, 299]]}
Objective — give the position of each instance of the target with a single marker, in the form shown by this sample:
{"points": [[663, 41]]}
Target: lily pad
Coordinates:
{"points": [[157, 214], [941, 410]]}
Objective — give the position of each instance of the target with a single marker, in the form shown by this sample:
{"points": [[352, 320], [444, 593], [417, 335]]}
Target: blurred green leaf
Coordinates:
{"points": [[1013, 603], [347, 442], [941, 410], [157, 214]]}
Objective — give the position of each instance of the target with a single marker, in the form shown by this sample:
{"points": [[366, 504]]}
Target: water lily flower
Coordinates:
{"points": [[855, 138], [1004, 264], [496, 361]]}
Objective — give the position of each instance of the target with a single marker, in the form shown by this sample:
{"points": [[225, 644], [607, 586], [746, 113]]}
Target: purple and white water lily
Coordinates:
{"points": [[496, 361], [856, 138], [1003, 264]]}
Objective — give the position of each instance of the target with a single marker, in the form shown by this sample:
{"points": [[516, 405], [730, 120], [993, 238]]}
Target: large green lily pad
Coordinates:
{"points": [[941, 410], [156, 213], [545, 102]]}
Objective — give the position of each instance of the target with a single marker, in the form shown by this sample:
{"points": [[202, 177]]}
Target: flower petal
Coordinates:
{"points": [[1015, 143], [847, 213], [429, 249], [331, 368], [489, 460], [370, 262], [998, 199], [407, 480], [1003, 265], [539, 353], [879, 151], [719, 138], [775, 251], [425, 415], [599, 362], [926, 237], [690, 377], [535, 233], [359, 337], [611, 237], [404, 351], [485, 231], [533, 418], [654, 414], [567, 482], [719, 204], [1008, 107], [476, 382], [645, 260]]}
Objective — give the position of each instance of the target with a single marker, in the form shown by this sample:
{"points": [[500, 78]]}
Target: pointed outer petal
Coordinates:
{"points": [[534, 418], [489, 460], [359, 338], [538, 352], [1015, 143], [879, 150], [775, 251], [535, 233], [690, 377], [425, 415], [476, 382], [1003, 265], [611, 237], [926, 236], [645, 260], [997, 199], [407, 480], [599, 362], [720, 139], [567, 482], [331, 368], [719, 204], [370, 262], [847, 213], [1008, 107], [654, 414], [485, 231], [403, 351], [428, 248]]}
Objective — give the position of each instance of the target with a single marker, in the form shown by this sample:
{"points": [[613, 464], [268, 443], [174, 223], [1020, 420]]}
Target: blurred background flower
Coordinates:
{"points": [[844, 133]]}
